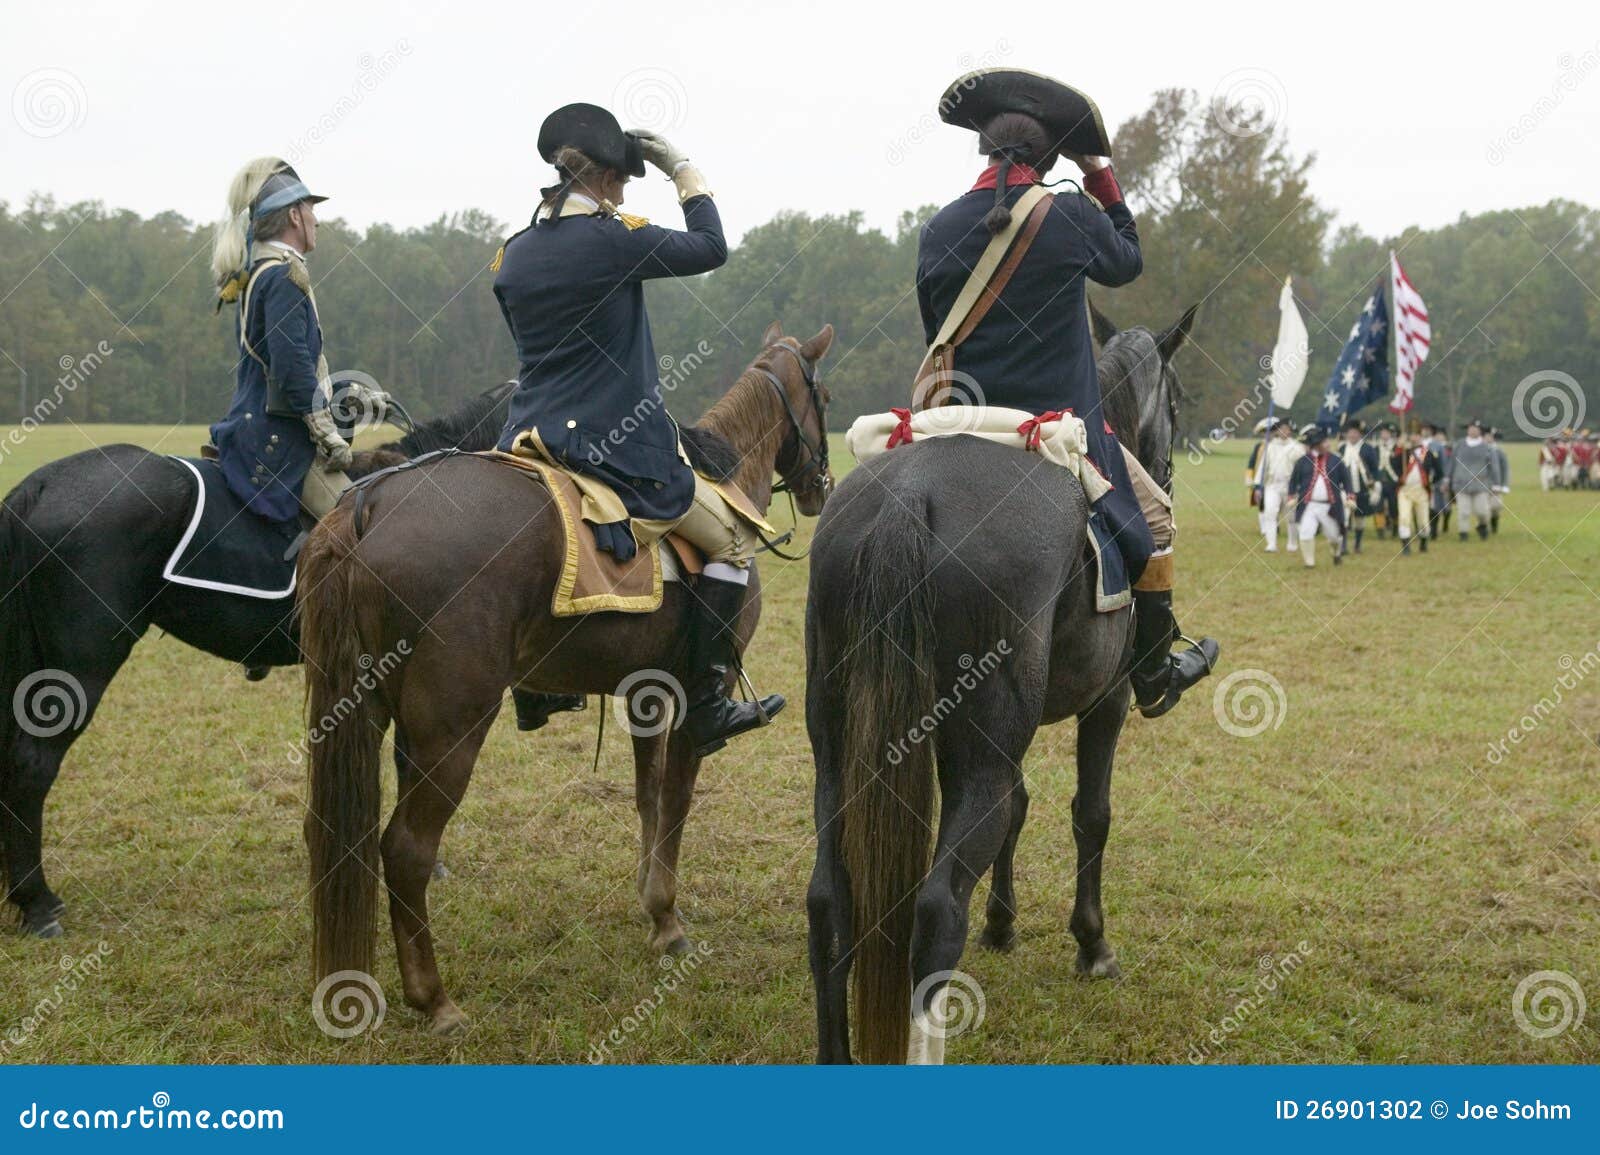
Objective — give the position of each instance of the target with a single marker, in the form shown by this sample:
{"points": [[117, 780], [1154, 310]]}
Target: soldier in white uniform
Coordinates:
{"points": [[1277, 465]]}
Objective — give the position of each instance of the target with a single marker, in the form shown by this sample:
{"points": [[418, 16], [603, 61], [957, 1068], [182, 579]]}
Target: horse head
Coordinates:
{"points": [[790, 366], [1141, 388]]}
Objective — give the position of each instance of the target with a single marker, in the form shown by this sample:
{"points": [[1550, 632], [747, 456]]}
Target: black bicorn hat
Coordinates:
{"points": [[1071, 118], [594, 132], [1314, 434], [1355, 423]]}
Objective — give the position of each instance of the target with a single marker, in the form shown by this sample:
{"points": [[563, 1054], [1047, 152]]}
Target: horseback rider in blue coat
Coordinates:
{"points": [[1032, 350], [279, 445], [588, 397]]}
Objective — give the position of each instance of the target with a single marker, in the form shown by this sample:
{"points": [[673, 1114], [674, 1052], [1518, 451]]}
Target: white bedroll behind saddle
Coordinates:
{"points": [[1062, 440]]}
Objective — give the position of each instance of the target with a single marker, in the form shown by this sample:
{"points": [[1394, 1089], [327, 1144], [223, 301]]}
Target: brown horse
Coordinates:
{"points": [[450, 578]]}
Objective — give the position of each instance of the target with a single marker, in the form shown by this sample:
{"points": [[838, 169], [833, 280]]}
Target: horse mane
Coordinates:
{"points": [[741, 417], [473, 425], [1121, 358]]}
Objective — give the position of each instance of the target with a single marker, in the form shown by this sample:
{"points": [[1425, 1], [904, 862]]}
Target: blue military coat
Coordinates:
{"points": [[1304, 478], [1032, 350], [572, 291], [265, 456]]}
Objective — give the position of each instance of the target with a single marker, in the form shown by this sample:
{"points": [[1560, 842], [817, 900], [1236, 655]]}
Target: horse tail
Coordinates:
{"points": [[887, 775], [19, 647], [345, 725]]}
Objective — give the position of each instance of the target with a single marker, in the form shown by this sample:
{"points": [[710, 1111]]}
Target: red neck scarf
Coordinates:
{"points": [[1015, 175]]}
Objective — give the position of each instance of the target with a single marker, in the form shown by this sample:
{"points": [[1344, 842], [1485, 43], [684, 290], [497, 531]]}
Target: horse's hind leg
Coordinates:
{"points": [[440, 760], [660, 895], [34, 765], [50, 715], [648, 752], [978, 775], [828, 912], [999, 931], [1098, 730]]}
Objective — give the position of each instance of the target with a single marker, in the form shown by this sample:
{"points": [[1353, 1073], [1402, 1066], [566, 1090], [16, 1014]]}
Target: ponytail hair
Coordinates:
{"points": [[230, 248], [573, 167], [1013, 138]]}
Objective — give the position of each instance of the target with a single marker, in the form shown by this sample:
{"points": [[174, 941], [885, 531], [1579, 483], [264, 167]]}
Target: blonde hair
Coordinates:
{"points": [[228, 248]]}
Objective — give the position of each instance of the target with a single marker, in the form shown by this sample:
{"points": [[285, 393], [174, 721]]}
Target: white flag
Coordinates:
{"points": [[1292, 353], [1412, 334]]}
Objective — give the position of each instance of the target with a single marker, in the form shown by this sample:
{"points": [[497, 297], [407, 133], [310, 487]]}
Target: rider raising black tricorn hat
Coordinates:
{"points": [[1070, 117], [1035, 352], [594, 132]]}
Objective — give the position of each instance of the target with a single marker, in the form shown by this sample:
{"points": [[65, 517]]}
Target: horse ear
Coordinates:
{"points": [[1172, 340], [773, 334], [817, 348], [1104, 330]]}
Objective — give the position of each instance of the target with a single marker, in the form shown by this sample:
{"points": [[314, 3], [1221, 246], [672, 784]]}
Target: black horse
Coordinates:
{"points": [[951, 612], [83, 541]]}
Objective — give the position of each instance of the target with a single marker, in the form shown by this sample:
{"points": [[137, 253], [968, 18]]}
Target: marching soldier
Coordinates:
{"points": [[1361, 466], [1497, 495], [1387, 503], [1417, 467], [1034, 352], [1440, 501], [279, 445], [1551, 453], [1277, 466], [1322, 491], [1475, 474], [571, 287], [1252, 466]]}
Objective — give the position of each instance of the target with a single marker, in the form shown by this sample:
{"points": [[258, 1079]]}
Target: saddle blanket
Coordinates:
{"points": [[1057, 437], [227, 548], [591, 578]]}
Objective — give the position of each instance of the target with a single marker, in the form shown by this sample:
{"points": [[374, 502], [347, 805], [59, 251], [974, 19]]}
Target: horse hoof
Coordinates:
{"points": [[440, 872], [1000, 940], [1100, 963], [449, 1020], [48, 930], [677, 948]]}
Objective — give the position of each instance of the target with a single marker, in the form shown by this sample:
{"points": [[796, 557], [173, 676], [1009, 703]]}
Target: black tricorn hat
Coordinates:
{"points": [[1314, 434], [1071, 118], [594, 132]]}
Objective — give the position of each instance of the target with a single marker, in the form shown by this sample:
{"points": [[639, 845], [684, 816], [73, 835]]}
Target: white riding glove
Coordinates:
{"points": [[673, 161], [325, 433]]}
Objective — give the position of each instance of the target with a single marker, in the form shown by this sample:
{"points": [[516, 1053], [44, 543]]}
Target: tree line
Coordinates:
{"points": [[1225, 210]]}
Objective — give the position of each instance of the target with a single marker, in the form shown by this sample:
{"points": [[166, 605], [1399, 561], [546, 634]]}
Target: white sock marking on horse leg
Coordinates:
{"points": [[926, 1046]]}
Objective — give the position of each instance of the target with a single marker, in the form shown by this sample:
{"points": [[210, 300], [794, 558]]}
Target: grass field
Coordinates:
{"points": [[1363, 881]]}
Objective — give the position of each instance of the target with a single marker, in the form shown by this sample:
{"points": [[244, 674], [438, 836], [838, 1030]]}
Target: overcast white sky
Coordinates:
{"points": [[402, 111]]}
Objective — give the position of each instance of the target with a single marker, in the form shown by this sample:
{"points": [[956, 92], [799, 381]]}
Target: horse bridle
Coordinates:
{"points": [[813, 473]]}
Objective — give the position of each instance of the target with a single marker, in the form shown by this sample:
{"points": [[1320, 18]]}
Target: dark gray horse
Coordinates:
{"points": [[951, 613]]}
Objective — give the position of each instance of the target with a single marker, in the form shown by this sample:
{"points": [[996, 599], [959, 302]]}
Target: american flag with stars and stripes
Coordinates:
{"points": [[1412, 335]]}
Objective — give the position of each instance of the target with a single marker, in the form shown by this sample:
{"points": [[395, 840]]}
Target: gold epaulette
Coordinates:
{"points": [[499, 258], [632, 221], [299, 275]]}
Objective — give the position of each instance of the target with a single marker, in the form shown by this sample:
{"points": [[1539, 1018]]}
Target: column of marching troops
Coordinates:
{"points": [[1570, 460], [1403, 485]]}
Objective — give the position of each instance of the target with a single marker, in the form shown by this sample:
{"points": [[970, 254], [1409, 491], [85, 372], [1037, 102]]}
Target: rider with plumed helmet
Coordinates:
{"points": [[588, 397], [1032, 349], [279, 445]]}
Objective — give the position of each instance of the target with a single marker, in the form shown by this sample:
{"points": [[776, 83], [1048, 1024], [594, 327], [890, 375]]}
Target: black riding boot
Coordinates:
{"points": [[1494, 523], [1422, 543], [1483, 532], [713, 654], [1159, 676], [534, 709], [1359, 534]]}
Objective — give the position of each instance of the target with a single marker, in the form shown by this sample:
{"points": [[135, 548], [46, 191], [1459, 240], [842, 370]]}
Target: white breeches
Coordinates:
{"points": [[1318, 514], [1274, 505]]}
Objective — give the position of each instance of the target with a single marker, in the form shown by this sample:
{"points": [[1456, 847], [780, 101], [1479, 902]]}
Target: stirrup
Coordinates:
{"points": [[749, 688], [1194, 645]]}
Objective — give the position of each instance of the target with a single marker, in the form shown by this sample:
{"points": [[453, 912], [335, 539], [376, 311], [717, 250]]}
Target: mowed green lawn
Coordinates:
{"points": [[1360, 882]]}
